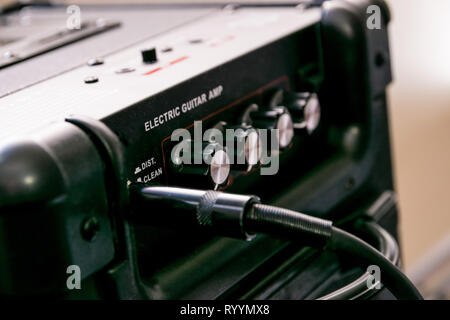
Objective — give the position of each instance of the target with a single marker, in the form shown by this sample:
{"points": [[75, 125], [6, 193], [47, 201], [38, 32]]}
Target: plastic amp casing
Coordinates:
{"points": [[63, 188]]}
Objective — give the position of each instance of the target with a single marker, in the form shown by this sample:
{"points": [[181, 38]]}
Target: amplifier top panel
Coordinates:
{"points": [[101, 88]]}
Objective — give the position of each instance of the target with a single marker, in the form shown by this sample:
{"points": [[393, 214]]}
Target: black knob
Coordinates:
{"points": [[305, 110], [149, 55], [208, 165], [243, 146], [277, 117]]}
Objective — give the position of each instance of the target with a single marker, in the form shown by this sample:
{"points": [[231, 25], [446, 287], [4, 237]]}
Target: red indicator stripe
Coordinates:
{"points": [[152, 71], [167, 65], [178, 60], [218, 43]]}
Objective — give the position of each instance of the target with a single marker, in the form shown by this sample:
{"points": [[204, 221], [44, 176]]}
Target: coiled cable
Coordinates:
{"points": [[387, 246], [243, 216]]}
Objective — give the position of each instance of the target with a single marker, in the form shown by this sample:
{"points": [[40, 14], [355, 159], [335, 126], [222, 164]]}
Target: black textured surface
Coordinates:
{"points": [[205, 208]]}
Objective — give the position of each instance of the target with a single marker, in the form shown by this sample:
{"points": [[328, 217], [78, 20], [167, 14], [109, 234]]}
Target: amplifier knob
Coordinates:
{"points": [[305, 110], [244, 146], [210, 164], [276, 117], [219, 169]]}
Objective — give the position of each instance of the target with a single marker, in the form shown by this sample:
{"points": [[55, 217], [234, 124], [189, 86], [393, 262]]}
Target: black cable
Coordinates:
{"points": [[282, 222], [285, 223], [386, 245], [346, 243], [241, 216]]}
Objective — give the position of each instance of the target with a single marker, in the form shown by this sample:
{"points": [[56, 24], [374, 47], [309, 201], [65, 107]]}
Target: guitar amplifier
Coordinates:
{"points": [[97, 98]]}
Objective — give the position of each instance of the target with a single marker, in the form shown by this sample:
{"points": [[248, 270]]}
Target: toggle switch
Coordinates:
{"points": [[149, 55]]}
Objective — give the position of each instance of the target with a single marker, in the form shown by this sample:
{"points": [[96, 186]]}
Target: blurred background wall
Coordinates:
{"points": [[420, 120], [420, 128]]}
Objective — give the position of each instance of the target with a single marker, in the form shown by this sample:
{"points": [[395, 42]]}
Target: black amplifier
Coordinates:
{"points": [[96, 100]]}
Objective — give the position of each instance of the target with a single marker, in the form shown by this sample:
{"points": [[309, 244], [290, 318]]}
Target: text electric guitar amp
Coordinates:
{"points": [[157, 97]]}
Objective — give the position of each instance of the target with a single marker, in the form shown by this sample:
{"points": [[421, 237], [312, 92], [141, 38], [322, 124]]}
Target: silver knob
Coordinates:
{"points": [[285, 128], [305, 109], [277, 117], [219, 168], [243, 146], [210, 165]]}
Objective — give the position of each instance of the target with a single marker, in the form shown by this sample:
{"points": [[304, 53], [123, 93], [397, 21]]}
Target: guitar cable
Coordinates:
{"points": [[243, 216], [386, 245]]}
